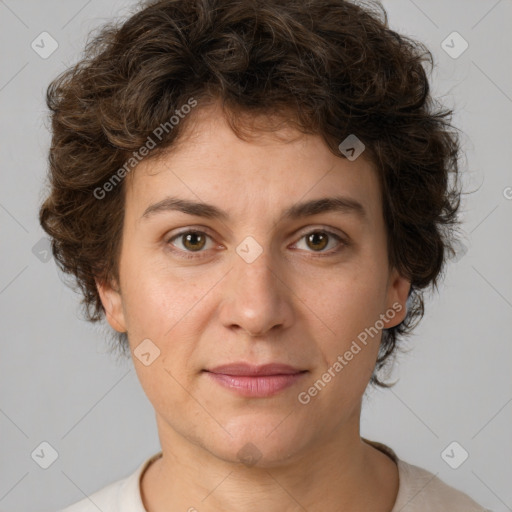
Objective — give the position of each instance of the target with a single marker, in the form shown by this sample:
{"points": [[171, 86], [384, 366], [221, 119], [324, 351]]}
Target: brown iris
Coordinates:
{"points": [[194, 241], [315, 238]]}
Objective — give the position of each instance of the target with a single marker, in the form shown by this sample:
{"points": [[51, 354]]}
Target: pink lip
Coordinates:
{"points": [[246, 369], [256, 381]]}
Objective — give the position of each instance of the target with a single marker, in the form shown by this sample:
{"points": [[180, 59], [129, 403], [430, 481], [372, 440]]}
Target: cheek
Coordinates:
{"points": [[161, 309], [349, 304], [156, 298], [168, 308], [346, 300], [347, 357], [148, 309]]}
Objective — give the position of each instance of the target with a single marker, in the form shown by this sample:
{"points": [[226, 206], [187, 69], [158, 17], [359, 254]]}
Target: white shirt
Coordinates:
{"points": [[418, 491]]}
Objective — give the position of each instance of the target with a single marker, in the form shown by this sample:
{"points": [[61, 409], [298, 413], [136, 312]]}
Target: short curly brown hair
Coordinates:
{"points": [[328, 67]]}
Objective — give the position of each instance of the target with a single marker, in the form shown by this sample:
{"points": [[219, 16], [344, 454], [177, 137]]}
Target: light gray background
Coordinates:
{"points": [[58, 384]]}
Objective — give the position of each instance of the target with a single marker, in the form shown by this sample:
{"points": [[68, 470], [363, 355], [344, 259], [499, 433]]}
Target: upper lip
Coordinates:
{"points": [[248, 369]]}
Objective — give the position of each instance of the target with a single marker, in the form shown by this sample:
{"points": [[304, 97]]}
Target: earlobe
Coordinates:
{"points": [[112, 304], [398, 292]]}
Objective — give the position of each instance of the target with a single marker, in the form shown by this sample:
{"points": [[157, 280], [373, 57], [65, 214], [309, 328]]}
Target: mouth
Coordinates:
{"points": [[255, 381]]}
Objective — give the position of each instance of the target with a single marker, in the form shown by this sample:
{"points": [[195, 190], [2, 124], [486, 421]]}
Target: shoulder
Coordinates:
{"points": [[105, 500], [120, 496], [421, 491]]}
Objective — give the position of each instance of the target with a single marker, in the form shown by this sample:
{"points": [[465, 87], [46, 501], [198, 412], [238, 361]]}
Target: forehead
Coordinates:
{"points": [[272, 165]]}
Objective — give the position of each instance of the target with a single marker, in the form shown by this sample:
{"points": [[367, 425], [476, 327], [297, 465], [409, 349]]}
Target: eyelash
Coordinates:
{"points": [[191, 255]]}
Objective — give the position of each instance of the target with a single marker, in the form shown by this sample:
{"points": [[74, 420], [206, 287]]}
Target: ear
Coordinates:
{"points": [[398, 291], [112, 304]]}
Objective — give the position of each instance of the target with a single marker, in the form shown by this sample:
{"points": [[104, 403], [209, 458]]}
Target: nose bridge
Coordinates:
{"points": [[254, 266], [257, 299]]}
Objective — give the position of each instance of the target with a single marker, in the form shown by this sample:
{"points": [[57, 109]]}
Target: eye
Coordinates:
{"points": [[194, 241], [319, 239], [191, 241]]}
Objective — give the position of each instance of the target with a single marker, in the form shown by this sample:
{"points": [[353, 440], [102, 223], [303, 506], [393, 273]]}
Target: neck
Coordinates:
{"points": [[343, 474]]}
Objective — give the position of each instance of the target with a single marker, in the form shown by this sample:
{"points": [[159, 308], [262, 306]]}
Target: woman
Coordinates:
{"points": [[255, 195]]}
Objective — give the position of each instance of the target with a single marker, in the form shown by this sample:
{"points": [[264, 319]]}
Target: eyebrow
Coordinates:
{"points": [[340, 204]]}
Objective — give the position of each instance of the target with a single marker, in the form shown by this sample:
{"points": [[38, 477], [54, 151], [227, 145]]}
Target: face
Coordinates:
{"points": [[256, 279]]}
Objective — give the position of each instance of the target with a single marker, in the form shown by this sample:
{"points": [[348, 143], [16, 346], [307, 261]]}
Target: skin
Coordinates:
{"points": [[297, 303]]}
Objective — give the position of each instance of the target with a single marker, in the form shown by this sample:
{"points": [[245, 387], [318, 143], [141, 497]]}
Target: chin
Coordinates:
{"points": [[263, 443]]}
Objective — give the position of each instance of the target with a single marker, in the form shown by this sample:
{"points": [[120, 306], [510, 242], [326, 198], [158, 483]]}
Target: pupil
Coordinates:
{"points": [[314, 239], [189, 240]]}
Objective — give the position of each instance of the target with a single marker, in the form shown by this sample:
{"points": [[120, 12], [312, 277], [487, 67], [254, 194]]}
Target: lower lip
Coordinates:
{"points": [[256, 386]]}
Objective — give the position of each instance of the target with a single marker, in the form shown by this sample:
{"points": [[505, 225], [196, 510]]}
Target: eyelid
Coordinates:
{"points": [[324, 229], [190, 229], [342, 239]]}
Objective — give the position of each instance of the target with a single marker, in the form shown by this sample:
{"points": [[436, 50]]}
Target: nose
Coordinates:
{"points": [[256, 297]]}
